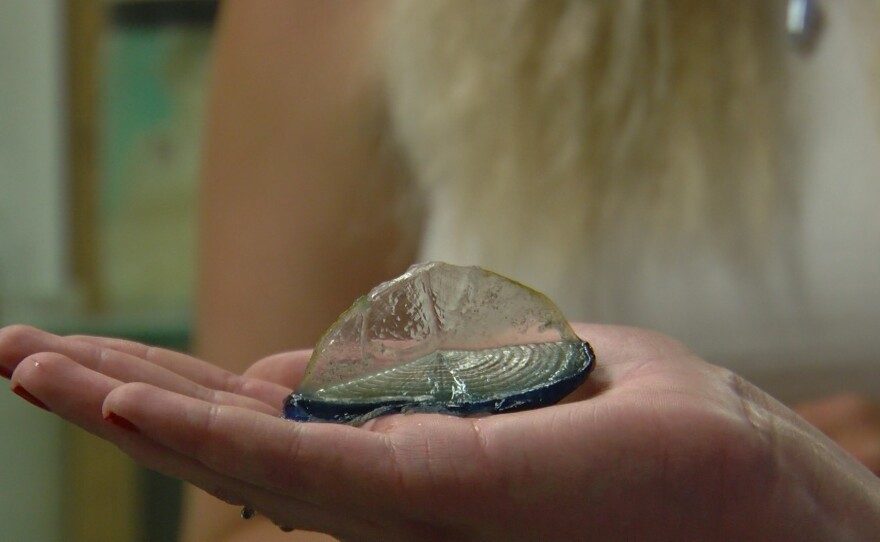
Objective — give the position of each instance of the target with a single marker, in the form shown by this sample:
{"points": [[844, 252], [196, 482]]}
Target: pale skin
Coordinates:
{"points": [[286, 222], [290, 147], [657, 445]]}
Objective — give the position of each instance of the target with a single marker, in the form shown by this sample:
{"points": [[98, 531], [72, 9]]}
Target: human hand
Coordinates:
{"points": [[852, 421], [656, 445]]}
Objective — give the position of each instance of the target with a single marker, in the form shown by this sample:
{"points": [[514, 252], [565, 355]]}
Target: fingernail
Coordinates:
{"points": [[5, 373], [119, 421], [26, 395]]}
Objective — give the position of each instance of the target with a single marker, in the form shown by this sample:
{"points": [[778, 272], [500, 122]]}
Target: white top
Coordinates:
{"points": [[812, 326]]}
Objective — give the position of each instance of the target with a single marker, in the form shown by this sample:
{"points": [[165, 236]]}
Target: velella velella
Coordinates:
{"points": [[442, 338]]}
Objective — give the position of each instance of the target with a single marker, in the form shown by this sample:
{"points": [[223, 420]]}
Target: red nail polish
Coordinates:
{"points": [[119, 421], [5, 373], [26, 395]]}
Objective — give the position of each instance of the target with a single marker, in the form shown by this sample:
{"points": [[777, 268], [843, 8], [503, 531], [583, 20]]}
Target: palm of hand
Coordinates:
{"points": [[652, 421]]}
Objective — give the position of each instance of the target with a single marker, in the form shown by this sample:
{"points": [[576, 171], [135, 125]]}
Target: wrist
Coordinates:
{"points": [[813, 490]]}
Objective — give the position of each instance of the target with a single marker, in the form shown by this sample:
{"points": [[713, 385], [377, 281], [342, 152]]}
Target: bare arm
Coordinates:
{"points": [[297, 203]]}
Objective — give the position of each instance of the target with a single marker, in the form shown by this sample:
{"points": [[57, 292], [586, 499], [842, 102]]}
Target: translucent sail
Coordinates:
{"points": [[442, 338]]}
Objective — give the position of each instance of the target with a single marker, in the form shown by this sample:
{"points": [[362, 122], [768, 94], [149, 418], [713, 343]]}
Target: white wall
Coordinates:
{"points": [[31, 250]]}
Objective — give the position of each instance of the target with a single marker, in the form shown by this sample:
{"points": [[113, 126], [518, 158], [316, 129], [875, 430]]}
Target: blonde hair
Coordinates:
{"points": [[560, 123]]}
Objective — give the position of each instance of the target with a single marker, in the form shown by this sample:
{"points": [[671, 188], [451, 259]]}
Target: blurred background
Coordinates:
{"points": [[100, 115]]}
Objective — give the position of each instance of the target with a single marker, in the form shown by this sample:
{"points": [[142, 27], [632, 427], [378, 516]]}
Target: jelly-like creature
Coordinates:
{"points": [[442, 338]]}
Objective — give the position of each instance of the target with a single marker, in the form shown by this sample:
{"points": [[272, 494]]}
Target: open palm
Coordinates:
{"points": [[656, 445]]}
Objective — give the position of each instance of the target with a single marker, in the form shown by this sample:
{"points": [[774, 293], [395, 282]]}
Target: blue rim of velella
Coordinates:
{"points": [[302, 409]]}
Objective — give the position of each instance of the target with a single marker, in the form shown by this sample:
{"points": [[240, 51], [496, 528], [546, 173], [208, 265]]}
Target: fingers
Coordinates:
{"points": [[16, 343], [127, 361], [186, 374], [202, 372], [326, 464], [72, 376], [286, 369], [77, 393], [67, 389]]}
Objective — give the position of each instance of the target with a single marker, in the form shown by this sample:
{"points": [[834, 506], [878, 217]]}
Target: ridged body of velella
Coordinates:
{"points": [[442, 338]]}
